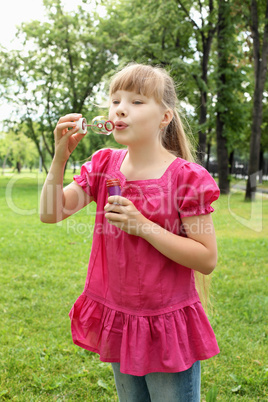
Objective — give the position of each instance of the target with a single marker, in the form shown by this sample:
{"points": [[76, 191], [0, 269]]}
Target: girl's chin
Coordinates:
{"points": [[126, 143], [120, 139]]}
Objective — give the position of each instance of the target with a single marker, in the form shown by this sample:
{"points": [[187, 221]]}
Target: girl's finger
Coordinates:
{"points": [[114, 218], [118, 199], [62, 129], [70, 117], [71, 132], [68, 124], [78, 136], [113, 208]]}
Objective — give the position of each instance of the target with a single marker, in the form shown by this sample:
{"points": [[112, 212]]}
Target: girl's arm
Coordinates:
{"points": [[197, 251], [57, 203]]}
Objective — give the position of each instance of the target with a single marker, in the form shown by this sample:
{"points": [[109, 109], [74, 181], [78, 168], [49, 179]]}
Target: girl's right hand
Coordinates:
{"points": [[66, 136]]}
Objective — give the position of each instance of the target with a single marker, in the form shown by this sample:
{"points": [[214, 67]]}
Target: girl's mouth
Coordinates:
{"points": [[120, 125]]}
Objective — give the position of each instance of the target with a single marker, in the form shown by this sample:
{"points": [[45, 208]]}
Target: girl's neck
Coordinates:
{"points": [[147, 156], [144, 163]]}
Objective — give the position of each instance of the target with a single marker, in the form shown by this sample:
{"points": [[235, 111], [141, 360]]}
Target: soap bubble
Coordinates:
{"points": [[100, 125], [84, 124]]}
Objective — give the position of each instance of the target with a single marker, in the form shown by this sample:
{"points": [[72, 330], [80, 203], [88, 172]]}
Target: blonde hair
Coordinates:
{"points": [[157, 83]]}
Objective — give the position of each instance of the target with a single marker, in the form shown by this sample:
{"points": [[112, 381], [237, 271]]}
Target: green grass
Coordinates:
{"points": [[43, 270]]}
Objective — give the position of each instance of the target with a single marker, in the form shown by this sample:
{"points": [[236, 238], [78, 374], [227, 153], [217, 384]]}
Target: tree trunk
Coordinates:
{"points": [[222, 154], [35, 139], [260, 69], [208, 155], [255, 141], [18, 166], [261, 165], [222, 151], [206, 33], [231, 162], [5, 160], [202, 137]]}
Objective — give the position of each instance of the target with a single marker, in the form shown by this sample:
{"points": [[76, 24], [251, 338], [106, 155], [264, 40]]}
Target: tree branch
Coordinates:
{"points": [[49, 117], [200, 8], [35, 140], [188, 15], [70, 57]]}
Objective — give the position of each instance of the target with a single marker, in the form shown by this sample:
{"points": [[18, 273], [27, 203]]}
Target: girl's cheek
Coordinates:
{"points": [[110, 114]]}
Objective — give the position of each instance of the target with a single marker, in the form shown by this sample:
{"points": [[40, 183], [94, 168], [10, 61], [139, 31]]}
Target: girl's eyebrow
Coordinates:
{"points": [[115, 95], [131, 93]]}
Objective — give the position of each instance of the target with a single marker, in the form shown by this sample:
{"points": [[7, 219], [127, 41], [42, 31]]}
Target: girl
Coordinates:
{"points": [[140, 309]]}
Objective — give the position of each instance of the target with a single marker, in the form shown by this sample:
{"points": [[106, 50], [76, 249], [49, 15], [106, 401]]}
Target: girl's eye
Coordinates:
{"points": [[115, 102], [137, 102]]}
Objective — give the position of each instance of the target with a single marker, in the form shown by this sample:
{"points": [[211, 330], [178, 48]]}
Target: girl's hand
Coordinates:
{"points": [[66, 136], [127, 217]]}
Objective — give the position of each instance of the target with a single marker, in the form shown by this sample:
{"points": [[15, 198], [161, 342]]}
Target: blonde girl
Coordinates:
{"points": [[140, 309]]}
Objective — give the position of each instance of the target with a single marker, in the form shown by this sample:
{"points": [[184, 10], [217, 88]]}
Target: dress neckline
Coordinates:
{"points": [[121, 158]]}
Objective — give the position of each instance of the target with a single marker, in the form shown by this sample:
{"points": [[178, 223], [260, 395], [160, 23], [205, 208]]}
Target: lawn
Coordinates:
{"points": [[43, 269]]}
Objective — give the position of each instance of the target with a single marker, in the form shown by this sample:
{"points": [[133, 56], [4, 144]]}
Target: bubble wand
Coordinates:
{"points": [[99, 125]]}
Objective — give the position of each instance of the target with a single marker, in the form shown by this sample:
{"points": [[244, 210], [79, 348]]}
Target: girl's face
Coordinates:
{"points": [[137, 118]]}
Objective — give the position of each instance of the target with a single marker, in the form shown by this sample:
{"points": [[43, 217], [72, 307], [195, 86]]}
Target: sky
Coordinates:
{"points": [[14, 12]]}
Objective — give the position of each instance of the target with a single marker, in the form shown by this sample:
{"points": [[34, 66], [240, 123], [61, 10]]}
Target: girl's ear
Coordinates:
{"points": [[167, 117]]}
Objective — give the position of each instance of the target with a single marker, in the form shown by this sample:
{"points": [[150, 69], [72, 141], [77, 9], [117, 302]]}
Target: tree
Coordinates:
{"points": [[222, 149], [18, 150], [178, 37], [259, 29], [56, 73], [204, 35], [231, 108]]}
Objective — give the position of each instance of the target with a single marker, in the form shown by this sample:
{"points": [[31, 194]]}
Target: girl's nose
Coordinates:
{"points": [[121, 111]]}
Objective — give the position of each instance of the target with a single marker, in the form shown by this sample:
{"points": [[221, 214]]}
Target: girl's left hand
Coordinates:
{"points": [[127, 217]]}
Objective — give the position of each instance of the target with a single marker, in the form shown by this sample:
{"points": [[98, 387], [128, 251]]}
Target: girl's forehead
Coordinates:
{"points": [[148, 83], [125, 93]]}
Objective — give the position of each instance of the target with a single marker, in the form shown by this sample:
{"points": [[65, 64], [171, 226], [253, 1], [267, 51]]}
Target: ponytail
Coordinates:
{"points": [[175, 140]]}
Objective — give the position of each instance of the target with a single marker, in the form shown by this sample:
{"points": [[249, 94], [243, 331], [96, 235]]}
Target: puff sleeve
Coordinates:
{"points": [[92, 171], [196, 190]]}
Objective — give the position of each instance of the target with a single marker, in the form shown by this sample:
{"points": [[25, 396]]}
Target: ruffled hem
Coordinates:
{"points": [[169, 342]]}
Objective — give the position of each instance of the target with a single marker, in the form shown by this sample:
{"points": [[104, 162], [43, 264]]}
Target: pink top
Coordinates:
{"points": [[138, 307]]}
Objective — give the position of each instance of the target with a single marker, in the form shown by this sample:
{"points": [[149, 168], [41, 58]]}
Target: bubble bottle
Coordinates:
{"points": [[113, 187], [99, 125]]}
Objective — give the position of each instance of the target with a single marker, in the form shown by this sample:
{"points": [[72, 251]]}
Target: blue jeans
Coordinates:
{"points": [[159, 387]]}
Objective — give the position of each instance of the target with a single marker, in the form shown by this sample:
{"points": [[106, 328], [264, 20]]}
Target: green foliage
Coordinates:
{"points": [[159, 35], [66, 62], [57, 72], [229, 78], [17, 150], [173, 34]]}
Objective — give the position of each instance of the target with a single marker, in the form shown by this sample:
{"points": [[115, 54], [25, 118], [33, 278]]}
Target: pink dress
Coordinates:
{"points": [[138, 307]]}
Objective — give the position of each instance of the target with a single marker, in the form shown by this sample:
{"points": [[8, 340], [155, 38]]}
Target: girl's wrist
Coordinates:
{"points": [[148, 228], [58, 161]]}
